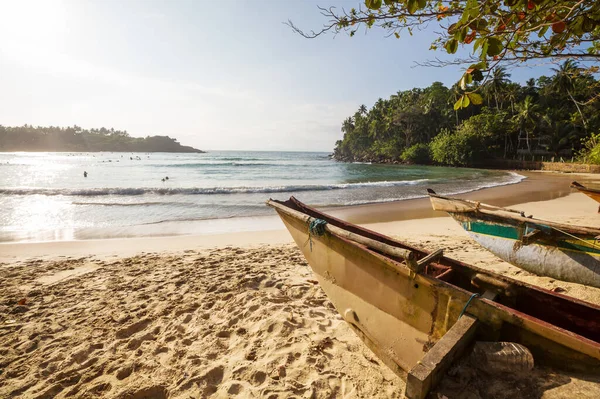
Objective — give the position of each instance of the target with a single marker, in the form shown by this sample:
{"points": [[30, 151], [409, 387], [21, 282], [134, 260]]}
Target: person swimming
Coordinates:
{"points": [[84, 173]]}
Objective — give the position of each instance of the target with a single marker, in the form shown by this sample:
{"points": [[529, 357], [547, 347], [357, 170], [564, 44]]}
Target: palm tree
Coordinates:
{"points": [[512, 92], [564, 82], [362, 109], [560, 134], [348, 125], [527, 113], [499, 80]]}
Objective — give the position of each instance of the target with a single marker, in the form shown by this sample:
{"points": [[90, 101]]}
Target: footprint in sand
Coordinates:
{"points": [[154, 392], [132, 329]]}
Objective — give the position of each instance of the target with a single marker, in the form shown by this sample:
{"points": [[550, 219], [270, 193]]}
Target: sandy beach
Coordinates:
{"points": [[235, 314]]}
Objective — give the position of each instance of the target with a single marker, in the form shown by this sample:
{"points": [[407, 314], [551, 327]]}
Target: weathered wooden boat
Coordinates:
{"points": [[406, 304], [590, 192], [561, 251]]}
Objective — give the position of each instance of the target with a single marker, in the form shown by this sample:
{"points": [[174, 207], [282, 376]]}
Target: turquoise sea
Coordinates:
{"points": [[45, 196]]}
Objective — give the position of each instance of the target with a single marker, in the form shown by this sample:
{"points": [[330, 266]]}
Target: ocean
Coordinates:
{"points": [[45, 196]]}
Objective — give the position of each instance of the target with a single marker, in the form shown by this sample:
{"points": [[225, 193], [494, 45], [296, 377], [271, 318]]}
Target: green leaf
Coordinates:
{"points": [[543, 31], [458, 104], [422, 3], [478, 43], [479, 65], [484, 49], [494, 46], [373, 4], [451, 46], [412, 6], [389, 2], [471, 10], [465, 80], [465, 101], [477, 75], [397, 35], [475, 98], [588, 24]]}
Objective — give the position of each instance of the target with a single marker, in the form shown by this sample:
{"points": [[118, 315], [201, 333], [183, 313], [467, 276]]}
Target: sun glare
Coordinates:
{"points": [[33, 23]]}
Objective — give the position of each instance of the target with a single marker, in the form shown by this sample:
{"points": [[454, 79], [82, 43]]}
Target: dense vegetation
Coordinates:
{"points": [[553, 116], [52, 138]]}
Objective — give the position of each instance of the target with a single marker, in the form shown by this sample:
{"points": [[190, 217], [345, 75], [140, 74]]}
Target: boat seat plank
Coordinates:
{"points": [[428, 372], [432, 257]]}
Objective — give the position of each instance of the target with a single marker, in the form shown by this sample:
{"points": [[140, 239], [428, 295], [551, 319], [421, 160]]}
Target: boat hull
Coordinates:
{"points": [[397, 318], [592, 195], [567, 259]]}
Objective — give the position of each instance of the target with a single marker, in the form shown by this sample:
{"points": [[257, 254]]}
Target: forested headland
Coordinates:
{"points": [[53, 138], [552, 116]]}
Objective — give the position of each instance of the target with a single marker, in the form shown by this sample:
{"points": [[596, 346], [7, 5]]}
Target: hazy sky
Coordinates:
{"points": [[214, 74]]}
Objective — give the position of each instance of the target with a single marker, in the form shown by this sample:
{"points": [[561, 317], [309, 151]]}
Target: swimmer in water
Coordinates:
{"points": [[84, 174]]}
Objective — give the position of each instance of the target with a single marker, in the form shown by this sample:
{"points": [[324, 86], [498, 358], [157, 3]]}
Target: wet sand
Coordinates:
{"points": [[538, 186], [230, 315]]}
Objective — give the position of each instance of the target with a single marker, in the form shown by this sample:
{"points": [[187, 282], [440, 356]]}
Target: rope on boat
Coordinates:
{"points": [[316, 227], [467, 304], [575, 237]]}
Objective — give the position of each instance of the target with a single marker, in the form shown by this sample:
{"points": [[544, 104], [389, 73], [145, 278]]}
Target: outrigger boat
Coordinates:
{"points": [[561, 251], [590, 192], [419, 311]]}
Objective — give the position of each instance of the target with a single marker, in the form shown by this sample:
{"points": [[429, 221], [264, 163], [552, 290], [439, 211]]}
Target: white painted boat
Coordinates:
{"points": [[419, 311], [561, 251]]}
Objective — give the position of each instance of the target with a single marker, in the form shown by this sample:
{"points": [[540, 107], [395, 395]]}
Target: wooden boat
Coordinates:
{"points": [[590, 192], [561, 251], [406, 303]]}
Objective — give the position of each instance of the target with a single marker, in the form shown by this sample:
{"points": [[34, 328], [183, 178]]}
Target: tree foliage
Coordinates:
{"points": [[496, 33], [590, 152], [539, 118], [54, 138], [417, 154]]}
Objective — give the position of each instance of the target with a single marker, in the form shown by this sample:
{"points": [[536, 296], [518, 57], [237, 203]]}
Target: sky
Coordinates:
{"points": [[215, 74]]}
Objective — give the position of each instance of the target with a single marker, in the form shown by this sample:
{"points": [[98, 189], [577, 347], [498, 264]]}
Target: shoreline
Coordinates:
{"points": [[269, 230], [536, 186]]}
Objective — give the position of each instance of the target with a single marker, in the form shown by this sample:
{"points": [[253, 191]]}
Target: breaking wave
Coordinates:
{"points": [[205, 191]]}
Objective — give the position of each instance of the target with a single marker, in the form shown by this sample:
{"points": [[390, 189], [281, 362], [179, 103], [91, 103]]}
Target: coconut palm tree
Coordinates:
{"points": [[348, 125], [564, 81], [527, 114], [559, 134], [362, 109], [497, 84]]}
